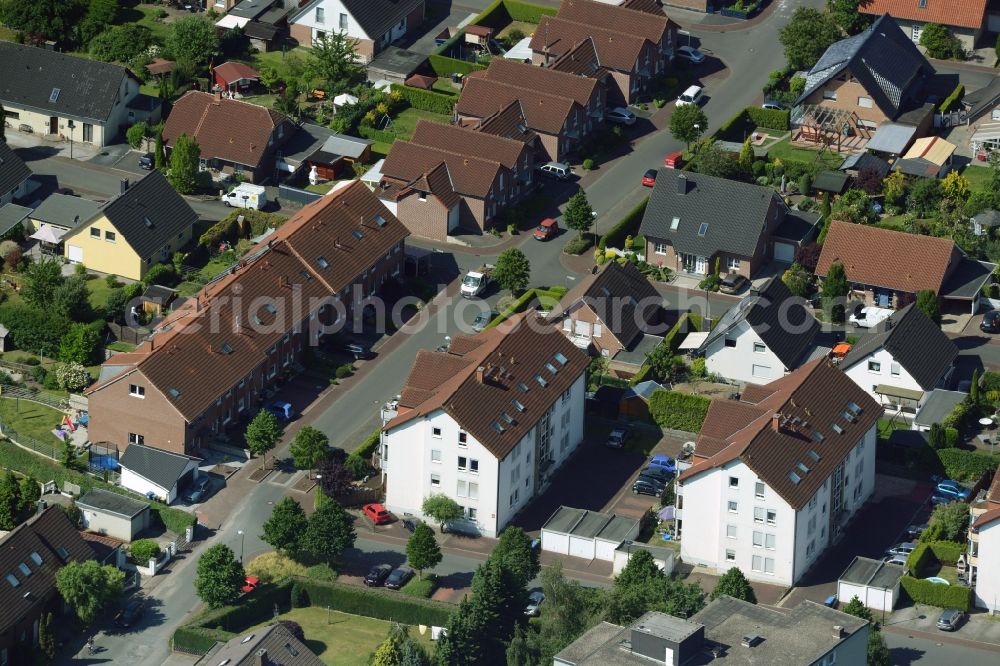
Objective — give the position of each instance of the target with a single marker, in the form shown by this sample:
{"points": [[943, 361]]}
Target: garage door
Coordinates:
{"points": [[75, 253], [555, 543], [784, 252], [581, 548], [993, 23]]}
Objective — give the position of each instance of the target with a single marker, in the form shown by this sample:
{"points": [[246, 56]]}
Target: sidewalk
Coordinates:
{"points": [[979, 631]]}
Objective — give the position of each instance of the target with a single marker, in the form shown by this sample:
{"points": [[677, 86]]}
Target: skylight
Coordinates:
{"points": [[380, 221], [541, 380], [812, 454], [174, 393], [522, 386], [226, 348], [270, 308], [551, 368], [357, 234], [560, 359], [818, 436], [605, 291], [837, 429], [517, 405], [36, 558], [24, 569], [148, 222], [507, 417], [497, 427], [248, 639], [674, 223], [795, 478], [61, 552], [54, 96], [703, 229], [849, 416], [854, 407], [323, 263], [307, 275], [802, 468]]}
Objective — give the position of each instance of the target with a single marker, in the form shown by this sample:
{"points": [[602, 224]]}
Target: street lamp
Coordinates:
{"points": [[71, 125], [242, 538]]}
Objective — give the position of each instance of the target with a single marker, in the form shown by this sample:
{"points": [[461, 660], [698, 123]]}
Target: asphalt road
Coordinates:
{"points": [[906, 649]]}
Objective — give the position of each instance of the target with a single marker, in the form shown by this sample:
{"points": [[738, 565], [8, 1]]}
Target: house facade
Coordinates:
{"points": [[45, 91], [984, 548], [209, 364], [966, 19], [777, 475], [486, 423], [14, 175], [373, 24]]}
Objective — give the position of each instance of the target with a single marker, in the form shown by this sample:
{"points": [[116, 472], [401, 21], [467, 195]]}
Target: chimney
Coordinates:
{"points": [[260, 659], [123, 185], [218, 98], [682, 184], [76, 220], [838, 631], [237, 326], [481, 375], [776, 422]]}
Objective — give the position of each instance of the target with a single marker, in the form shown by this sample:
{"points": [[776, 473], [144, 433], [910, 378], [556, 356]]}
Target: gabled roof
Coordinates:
{"points": [[107, 501], [343, 145], [652, 26], [13, 170], [934, 149], [376, 17], [510, 123], [148, 214], [65, 210], [469, 142], [233, 71], [617, 50], [436, 182], [961, 13], [914, 341], [737, 232], [793, 432], [471, 174], [226, 129], [280, 646], [620, 295], [581, 60], [526, 368], [55, 83], [53, 538], [482, 97], [865, 161], [12, 215], [543, 79], [779, 318], [163, 468], [883, 59], [886, 258]]}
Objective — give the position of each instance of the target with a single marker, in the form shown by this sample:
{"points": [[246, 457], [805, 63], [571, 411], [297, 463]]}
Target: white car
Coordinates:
{"points": [[621, 115], [869, 316], [690, 96], [691, 54]]}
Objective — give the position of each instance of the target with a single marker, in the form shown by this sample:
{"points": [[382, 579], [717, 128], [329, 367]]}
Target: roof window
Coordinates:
{"points": [[54, 96], [802, 468], [36, 558], [794, 478], [61, 552], [818, 436], [269, 307], [148, 222], [854, 407], [357, 234], [226, 348], [323, 263], [24, 569], [560, 359], [849, 416], [12, 579], [507, 417], [703, 229], [517, 405], [551, 368], [523, 387], [837, 429], [174, 393], [812, 454], [247, 639], [542, 381], [496, 426], [674, 223], [307, 275], [380, 221]]}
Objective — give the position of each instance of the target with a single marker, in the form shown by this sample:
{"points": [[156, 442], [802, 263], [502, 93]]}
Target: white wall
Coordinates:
{"points": [[136, 483], [623, 555], [554, 542], [871, 597], [737, 363], [988, 570], [331, 20], [869, 379]]}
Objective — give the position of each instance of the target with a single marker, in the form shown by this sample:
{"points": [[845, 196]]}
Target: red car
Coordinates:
{"points": [[377, 513], [250, 584], [649, 178], [674, 160], [549, 228]]}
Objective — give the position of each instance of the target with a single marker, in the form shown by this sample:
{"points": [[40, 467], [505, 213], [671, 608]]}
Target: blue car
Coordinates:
{"points": [[951, 488], [664, 462], [283, 410]]}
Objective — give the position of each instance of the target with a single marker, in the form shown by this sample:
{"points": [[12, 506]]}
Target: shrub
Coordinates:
{"points": [[299, 596], [426, 100], [578, 245], [698, 367], [776, 119], [951, 438], [321, 572], [678, 411], [380, 604], [588, 164], [921, 560], [627, 226], [273, 567], [357, 466], [144, 550], [162, 274], [952, 100], [937, 594], [228, 229], [422, 588], [367, 447], [526, 11], [947, 551], [344, 371], [966, 465], [375, 134]]}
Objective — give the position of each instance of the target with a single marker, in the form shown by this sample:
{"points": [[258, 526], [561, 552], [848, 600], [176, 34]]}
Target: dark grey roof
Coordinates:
{"points": [[639, 351], [589, 524], [862, 161], [86, 88], [968, 278], [13, 170], [156, 465], [258, 30], [738, 231], [107, 501], [830, 181], [149, 213], [145, 102], [65, 210], [988, 218], [282, 649], [883, 59], [394, 60], [798, 226], [307, 140], [873, 573], [939, 404], [345, 146], [251, 9], [12, 215], [781, 320], [914, 341], [892, 138], [156, 293], [376, 17]]}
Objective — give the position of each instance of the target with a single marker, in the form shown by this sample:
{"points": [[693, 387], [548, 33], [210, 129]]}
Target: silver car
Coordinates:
{"points": [[535, 600]]}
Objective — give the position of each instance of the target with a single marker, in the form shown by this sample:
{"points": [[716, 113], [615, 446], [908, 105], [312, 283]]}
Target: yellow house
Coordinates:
{"points": [[141, 227]]}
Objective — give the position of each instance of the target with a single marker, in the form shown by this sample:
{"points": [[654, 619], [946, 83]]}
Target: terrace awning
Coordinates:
{"points": [[897, 392], [48, 234]]}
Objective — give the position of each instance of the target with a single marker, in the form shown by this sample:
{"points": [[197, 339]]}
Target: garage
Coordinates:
{"points": [[784, 252], [75, 254], [587, 534], [155, 473], [874, 582]]}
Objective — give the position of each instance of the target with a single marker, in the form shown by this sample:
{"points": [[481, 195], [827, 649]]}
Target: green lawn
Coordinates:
{"points": [[885, 428], [262, 100], [978, 177], [340, 639], [30, 418], [145, 15], [406, 121], [784, 150], [121, 347], [445, 86], [279, 60], [6, 34], [99, 292]]}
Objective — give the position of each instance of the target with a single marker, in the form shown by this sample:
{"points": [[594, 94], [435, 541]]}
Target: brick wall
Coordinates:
{"points": [[427, 218], [697, 5], [114, 414], [667, 260], [847, 93], [302, 34]]}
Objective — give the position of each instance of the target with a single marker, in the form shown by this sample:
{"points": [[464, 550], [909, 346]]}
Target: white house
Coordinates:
{"points": [[984, 548], [486, 423], [763, 337], [14, 175], [902, 360], [156, 473], [373, 24], [777, 475]]}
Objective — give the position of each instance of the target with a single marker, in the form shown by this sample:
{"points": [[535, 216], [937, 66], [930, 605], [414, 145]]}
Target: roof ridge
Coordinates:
{"points": [[484, 160], [514, 64], [598, 28], [511, 86], [459, 128]]}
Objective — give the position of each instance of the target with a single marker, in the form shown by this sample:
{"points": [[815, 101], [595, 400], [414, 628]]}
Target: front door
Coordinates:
{"points": [[53, 125], [701, 265], [88, 132]]}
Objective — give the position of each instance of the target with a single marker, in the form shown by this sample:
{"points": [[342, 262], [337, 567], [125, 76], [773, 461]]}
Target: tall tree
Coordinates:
{"points": [[688, 123], [461, 643], [442, 508], [878, 651], [81, 344], [579, 216], [512, 270], [46, 639], [846, 15], [514, 551], [309, 447], [185, 157], [285, 528], [927, 301], [806, 36], [974, 388], [499, 596], [642, 586], [422, 549], [333, 62], [220, 576], [41, 281], [192, 40], [87, 587], [856, 608], [72, 298], [328, 533], [159, 156], [948, 523], [955, 187], [263, 434], [100, 15], [335, 479], [734, 584], [10, 501], [51, 19], [835, 291]]}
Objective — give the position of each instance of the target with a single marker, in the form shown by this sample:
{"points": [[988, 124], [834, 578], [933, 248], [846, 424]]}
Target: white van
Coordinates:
{"points": [[246, 195], [557, 170], [690, 96]]}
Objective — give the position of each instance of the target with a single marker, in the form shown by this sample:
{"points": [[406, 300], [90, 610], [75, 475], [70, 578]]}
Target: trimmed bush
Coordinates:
{"points": [[522, 302], [299, 596], [578, 245], [627, 226], [678, 411], [952, 100], [445, 66], [272, 567], [921, 560], [937, 594], [947, 551], [967, 465], [367, 447], [377, 603], [144, 550], [421, 588], [259, 223], [426, 100], [776, 119], [376, 135]]}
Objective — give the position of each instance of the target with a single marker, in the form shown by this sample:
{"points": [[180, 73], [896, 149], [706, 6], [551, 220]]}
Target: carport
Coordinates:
{"points": [[586, 534], [874, 582], [938, 405]]}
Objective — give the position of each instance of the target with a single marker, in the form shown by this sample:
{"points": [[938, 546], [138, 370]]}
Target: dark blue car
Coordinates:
{"points": [[282, 410]]}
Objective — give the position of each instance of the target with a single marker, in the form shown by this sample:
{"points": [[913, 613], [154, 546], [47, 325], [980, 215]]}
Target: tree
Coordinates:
{"points": [[121, 43], [398, 649], [81, 344], [798, 280], [192, 40], [935, 436], [642, 586], [854, 206], [688, 123], [442, 508], [940, 43], [461, 643], [220, 576], [285, 528], [41, 280], [72, 298], [309, 447], [878, 651], [924, 198], [333, 62], [329, 532], [512, 270], [955, 187], [185, 157], [136, 134], [835, 290], [734, 584], [894, 187], [288, 100], [927, 301], [100, 15], [29, 491], [10, 502], [807, 36], [974, 388], [514, 550], [72, 377], [846, 15], [579, 216], [46, 639], [53, 19], [869, 181], [87, 587], [712, 160], [422, 549], [856, 608], [498, 594], [268, 76], [335, 479], [159, 155], [746, 162], [263, 433], [948, 522]]}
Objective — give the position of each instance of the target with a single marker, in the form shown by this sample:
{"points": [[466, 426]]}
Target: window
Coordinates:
{"points": [[734, 482], [95, 232], [758, 514], [760, 370], [769, 541], [812, 502], [36, 558], [463, 438], [134, 438], [730, 531], [435, 455], [894, 369], [811, 525], [436, 432], [660, 248], [343, 22], [732, 507], [874, 366], [703, 229], [110, 236], [463, 489], [830, 94], [759, 347], [772, 516], [674, 223], [473, 490], [470, 513], [769, 565], [474, 466], [837, 429], [733, 263], [730, 555], [865, 102], [136, 391], [462, 463], [435, 480], [758, 539], [731, 343], [24, 569], [320, 18], [757, 563], [758, 490]]}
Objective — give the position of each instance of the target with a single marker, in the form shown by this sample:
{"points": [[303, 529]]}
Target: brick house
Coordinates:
{"points": [[234, 136], [208, 365], [685, 232], [966, 19], [588, 92], [373, 24]]}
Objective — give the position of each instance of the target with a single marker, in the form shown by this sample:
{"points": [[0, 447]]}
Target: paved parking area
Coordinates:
{"points": [[922, 619]]}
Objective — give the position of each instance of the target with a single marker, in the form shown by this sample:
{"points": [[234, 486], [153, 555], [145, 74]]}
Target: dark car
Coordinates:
{"points": [[358, 351], [990, 322], [281, 409], [649, 178], [399, 577], [647, 486], [483, 320], [951, 619], [146, 161], [658, 474], [198, 491], [732, 283], [410, 523], [914, 531], [377, 575], [130, 614]]}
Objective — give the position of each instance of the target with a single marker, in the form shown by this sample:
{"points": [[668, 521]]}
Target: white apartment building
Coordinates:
{"points": [[486, 423], [984, 549], [777, 475]]}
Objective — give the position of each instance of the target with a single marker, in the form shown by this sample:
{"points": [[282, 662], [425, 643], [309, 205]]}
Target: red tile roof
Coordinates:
{"points": [[774, 435], [984, 519], [471, 175], [614, 17], [544, 112], [617, 50], [962, 13], [509, 123], [469, 142], [436, 182], [578, 88], [885, 258], [421, 81], [231, 72]]}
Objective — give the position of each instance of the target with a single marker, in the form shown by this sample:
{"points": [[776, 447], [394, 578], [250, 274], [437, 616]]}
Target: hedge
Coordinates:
{"points": [[445, 66], [921, 560], [376, 603], [627, 226], [259, 223], [521, 302], [376, 135], [937, 594], [967, 465], [198, 636], [426, 100], [952, 100], [678, 411], [776, 119], [528, 12], [367, 447], [947, 551]]}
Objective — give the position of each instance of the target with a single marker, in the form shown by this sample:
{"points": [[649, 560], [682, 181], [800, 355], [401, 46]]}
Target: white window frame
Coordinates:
{"points": [[137, 391], [660, 248], [733, 506], [731, 532]]}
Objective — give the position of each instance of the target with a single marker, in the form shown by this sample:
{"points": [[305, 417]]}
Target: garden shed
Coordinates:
{"points": [[663, 557], [874, 582], [587, 534], [115, 515]]}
